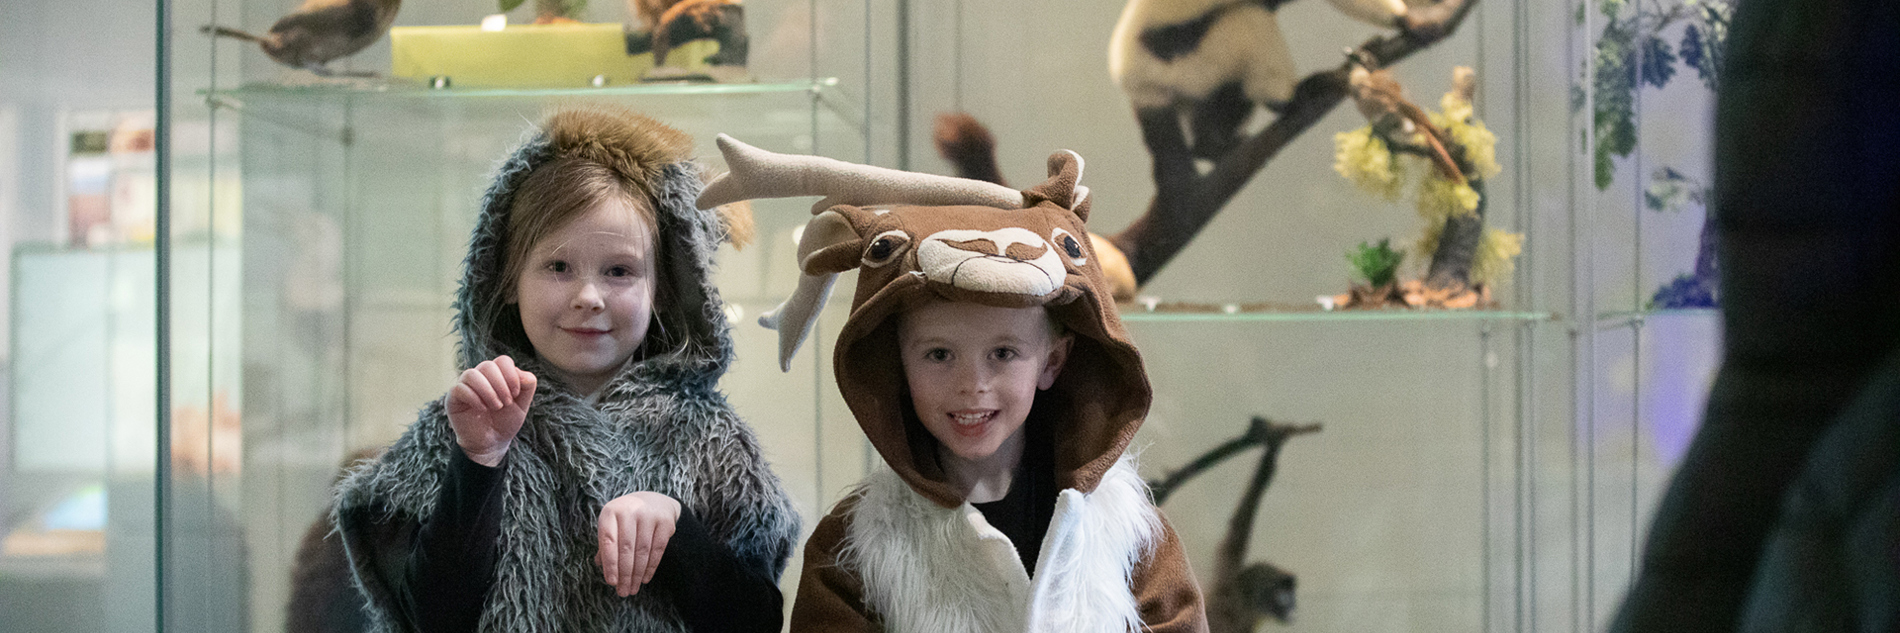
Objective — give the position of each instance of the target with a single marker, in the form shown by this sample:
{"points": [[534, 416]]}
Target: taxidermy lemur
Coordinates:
{"points": [[672, 22], [320, 31], [1211, 60]]}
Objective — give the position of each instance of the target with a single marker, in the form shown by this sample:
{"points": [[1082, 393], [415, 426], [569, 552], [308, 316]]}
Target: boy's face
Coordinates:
{"points": [[586, 293], [973, 370]]}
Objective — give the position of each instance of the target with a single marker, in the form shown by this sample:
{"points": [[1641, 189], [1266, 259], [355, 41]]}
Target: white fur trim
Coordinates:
{"points": [[931, 569], [1080, 584]]}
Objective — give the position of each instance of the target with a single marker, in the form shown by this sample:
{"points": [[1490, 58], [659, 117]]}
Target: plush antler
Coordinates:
{"points": [[756, 173]]}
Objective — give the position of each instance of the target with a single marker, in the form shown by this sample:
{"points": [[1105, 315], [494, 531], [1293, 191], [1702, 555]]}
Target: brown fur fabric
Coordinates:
{"points": [[322, 597]]}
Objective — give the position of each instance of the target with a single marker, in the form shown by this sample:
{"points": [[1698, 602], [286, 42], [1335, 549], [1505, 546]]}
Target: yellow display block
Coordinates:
{"points": [[528, 56]]}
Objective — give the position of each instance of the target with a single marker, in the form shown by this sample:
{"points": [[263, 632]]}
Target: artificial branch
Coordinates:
{"points": [[1186, 200], [1243, 594]]}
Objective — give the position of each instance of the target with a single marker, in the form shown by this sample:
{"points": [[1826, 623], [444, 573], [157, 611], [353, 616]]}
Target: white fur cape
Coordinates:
{"points": [[927, 568]]}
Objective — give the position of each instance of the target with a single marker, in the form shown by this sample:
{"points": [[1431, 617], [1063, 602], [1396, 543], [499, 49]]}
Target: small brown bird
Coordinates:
{"points": [[673, 22], [321, 31], [1380, 96]]}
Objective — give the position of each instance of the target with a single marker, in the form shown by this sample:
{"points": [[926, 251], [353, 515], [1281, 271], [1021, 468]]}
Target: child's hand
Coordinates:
{"points": [[634, 530], [486, 408]]}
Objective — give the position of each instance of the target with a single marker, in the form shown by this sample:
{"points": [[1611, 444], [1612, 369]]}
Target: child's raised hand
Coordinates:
{"points": [[634, 530], [487, 406]]}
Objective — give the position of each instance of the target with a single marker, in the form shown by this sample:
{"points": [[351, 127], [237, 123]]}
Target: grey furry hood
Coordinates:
{"points": [[659, 425], [691, 340]]}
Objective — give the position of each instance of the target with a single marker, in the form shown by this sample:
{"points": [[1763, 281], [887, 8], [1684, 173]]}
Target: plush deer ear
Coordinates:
{"points": [[829, 245], [1064, 186]]}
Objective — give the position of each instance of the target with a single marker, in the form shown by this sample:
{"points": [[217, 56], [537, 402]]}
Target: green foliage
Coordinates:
{"points": [[1378, 265], [1670, 190], [1631, 53], [509, 5], [1658, 62], [1705, 38]]}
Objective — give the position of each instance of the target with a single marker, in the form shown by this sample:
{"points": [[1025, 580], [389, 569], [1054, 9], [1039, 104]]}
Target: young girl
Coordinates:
{"points": [[583, 473]]}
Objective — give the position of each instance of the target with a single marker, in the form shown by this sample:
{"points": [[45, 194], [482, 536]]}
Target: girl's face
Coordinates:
{"points": [[586, 293]]}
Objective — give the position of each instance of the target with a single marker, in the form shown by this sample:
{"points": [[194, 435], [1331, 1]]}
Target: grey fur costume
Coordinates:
{"points": [[660, 425]]}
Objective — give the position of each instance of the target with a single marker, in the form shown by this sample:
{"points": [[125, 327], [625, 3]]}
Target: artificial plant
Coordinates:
{"points": [[1632, 52], [1441, 159]]}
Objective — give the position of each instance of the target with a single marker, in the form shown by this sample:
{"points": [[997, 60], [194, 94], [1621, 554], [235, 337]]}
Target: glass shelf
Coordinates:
{"points": [[1612, 320], [1271, 312], [406, 89]]}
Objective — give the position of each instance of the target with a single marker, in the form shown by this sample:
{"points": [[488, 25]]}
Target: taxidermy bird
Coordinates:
{"points": [[321, 31], [551, 11], [1212, 61], [1382, 100], [672, 22]]}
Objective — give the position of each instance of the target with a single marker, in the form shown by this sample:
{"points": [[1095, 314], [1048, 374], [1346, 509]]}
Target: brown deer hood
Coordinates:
{"points": [[915, 238]]}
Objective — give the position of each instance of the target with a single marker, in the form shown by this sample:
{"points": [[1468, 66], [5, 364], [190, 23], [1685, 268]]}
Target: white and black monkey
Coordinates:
{"points": [[1211, 60], [320, 31]]}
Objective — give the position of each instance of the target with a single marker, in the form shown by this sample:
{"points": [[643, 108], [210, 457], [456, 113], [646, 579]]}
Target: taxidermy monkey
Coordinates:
{"points": [[1211, 60], [1269, 591], [320, 31], [671, 22]]}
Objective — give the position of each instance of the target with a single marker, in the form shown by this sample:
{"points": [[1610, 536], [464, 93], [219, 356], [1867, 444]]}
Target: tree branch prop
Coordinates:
{"points": [[1185, 200], [1243, 593]]}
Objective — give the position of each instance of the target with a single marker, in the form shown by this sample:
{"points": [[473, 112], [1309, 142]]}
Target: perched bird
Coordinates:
{"points": [[553, 11], [670, 23], [321, 31], [1382, 100], [649, 11]]}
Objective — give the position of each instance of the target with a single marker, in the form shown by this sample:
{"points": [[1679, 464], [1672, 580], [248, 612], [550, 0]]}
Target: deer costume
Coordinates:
{"points": [[905, 551]]}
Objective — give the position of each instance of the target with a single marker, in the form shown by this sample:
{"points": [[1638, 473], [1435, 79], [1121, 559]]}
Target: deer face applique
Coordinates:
{"points": [[964, 240]]}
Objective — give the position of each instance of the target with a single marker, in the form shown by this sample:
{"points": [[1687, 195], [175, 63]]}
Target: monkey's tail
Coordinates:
{"points": [[969, 147], [220, 31]]}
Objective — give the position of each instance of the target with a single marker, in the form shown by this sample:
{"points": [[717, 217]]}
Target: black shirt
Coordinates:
{"points": [[453, 565], [1024, 512]]}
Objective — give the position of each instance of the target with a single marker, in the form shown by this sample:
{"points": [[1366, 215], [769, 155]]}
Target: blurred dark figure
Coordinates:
{"points": [[323, 597], [1785, 516]]}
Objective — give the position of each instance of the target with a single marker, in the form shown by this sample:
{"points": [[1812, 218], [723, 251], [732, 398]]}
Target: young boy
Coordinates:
{"points": [[984, 360]]}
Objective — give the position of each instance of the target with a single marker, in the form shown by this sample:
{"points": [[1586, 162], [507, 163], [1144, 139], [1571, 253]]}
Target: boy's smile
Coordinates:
{"points": [[586, 293], [973, 372]]}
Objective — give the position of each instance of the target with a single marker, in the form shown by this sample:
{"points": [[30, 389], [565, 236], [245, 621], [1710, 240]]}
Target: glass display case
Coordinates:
{"points": [[289, 307]]}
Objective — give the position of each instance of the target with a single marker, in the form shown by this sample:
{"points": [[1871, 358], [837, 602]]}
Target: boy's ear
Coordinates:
{"points": [[1058, 356]]}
